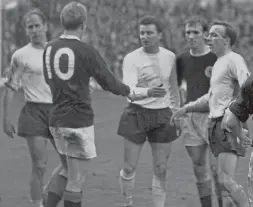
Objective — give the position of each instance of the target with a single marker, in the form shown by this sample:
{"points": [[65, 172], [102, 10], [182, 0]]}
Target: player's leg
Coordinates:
{"points": [[225, 147], [127, 173], [160, 139], [227, 167], [214, 170], [53, 191], [195, 135], [38, 152], [250, 180], [33, 125], [78, 145], [198, 155], [134, 138]]}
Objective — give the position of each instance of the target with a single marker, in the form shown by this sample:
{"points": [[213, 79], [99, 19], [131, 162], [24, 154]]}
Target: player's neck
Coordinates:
{"points": [[151, 50], [72, 33], [223, 52], [199, 51], [39, 45]]}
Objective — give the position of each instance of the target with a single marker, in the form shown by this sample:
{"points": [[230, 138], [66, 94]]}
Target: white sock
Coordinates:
{"points": [[126, 186], [159, 191]]}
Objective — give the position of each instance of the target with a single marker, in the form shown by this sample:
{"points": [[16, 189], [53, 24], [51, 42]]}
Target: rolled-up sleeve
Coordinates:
{"points": [[130, 78], [174, 89], [201, 105], [15, 73]]}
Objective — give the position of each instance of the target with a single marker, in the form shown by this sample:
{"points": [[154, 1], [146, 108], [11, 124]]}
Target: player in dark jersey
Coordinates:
{"points": [[68, 66], [194, 68]]}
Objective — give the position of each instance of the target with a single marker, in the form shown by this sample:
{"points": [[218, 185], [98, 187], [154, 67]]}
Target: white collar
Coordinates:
{"points": [[63, 36]]}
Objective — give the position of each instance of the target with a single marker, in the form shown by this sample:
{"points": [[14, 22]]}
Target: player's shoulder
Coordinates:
{"points": [[184, 55], [235, 58], [133, 55], [167, 52], [22, 51]]}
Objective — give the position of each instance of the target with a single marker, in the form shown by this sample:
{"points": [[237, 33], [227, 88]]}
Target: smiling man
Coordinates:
{"points": [[228, 74], [150, 69]]}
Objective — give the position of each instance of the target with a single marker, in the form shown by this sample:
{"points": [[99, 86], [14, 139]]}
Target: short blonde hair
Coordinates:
{"points": [[73, 15]]}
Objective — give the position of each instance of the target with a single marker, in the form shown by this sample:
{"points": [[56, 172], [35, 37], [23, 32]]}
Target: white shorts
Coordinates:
{"points": [[195, 129], [75, 142]]}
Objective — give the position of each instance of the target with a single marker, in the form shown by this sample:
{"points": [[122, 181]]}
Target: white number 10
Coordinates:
{"points": [[56, 62]]}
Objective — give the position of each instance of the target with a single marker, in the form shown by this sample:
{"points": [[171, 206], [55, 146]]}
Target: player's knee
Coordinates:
{"points": [[161, 171], [226, 182], [129, 170], [201, 173], [40, 168]]}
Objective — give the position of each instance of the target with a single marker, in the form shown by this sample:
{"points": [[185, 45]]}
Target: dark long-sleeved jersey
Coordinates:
{"points": [[242, 107], [68, 65]]}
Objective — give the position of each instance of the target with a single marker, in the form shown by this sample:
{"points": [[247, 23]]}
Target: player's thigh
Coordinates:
{"points": [[195, 130], [160, 154], [132, 152], [227, 164], [198, 154], [38, 150]]}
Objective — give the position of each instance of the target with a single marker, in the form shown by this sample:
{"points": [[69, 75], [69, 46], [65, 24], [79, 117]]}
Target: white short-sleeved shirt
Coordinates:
{"points": [[26, 71]]}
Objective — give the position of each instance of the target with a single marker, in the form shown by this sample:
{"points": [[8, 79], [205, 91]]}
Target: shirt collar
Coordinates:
{"points": [[69, 37]]}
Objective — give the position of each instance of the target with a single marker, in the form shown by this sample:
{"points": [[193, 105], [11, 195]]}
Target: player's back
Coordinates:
{"points": [[68, 61]]}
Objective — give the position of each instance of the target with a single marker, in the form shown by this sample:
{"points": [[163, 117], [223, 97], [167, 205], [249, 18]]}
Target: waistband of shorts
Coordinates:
{"points": [[38, 103], [216, 119]]}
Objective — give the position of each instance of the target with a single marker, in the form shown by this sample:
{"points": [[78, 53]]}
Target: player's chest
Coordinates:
{"points": [[33, 64], [154, 67], [220, 73], [196, 70]]}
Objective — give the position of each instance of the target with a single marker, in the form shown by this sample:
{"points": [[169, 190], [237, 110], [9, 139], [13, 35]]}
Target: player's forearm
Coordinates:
{"points": [[201, 105], [7, 100], [138, 93]]}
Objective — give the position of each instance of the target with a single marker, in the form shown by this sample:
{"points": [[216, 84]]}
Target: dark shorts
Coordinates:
{"points": [[221, 141], [34, 120], [138, 124]]}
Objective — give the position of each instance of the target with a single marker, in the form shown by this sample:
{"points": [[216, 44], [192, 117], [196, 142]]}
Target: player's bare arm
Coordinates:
{"points": [[11, 85]]}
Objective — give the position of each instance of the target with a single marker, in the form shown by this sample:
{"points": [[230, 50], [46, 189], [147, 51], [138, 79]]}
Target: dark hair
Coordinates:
{"points": [[198, 20], [73, 15], [230, 30], [152, 20], [34, 12]]}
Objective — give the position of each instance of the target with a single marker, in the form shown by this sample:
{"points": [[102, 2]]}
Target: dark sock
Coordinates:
{"points": [[206, 201], [72, 204], [205, 193]]}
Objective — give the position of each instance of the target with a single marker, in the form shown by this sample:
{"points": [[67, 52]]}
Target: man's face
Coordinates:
{"points": [[194, 35], [149, 36], [217, 39], [35, 28]]}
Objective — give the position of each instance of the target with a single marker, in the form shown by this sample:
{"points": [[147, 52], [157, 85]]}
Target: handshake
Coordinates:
{"points": [[157, 92]]}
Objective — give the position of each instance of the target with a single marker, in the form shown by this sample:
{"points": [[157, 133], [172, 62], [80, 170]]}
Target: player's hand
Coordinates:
{"points": [[231, 123], [8, 128], [175, 117], [3, 80], [157, 92], [244, 138]]}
